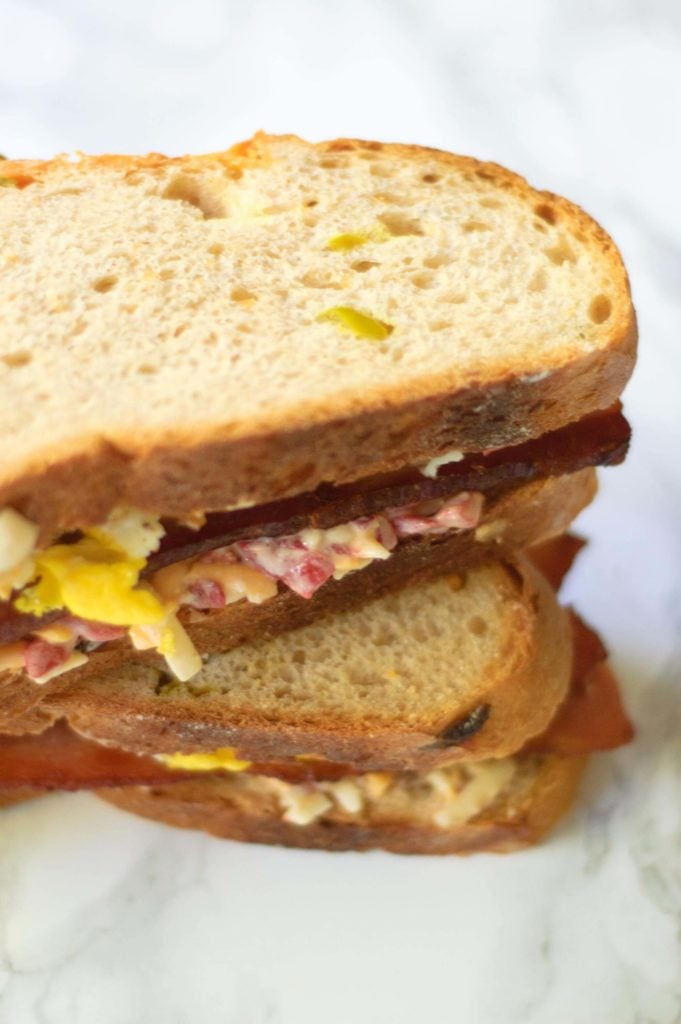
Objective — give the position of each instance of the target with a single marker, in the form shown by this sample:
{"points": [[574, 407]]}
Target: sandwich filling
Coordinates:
{"points": [[131, 575], [100, 583]]}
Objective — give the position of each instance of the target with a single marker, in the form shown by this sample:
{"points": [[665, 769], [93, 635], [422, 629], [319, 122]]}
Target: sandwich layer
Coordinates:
{"points": [[590, 718], [397, 683], [252, 603], [391, 302], [497, 806]]}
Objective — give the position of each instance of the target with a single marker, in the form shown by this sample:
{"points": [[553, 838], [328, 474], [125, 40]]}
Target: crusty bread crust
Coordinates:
{"points": [[177, 471], [514, 821], [134, 708], [526, 515]]}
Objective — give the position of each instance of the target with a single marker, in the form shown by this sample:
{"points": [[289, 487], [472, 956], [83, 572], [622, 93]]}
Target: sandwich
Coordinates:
{"points": [[274, 380], [446, 792], [291, 402]]}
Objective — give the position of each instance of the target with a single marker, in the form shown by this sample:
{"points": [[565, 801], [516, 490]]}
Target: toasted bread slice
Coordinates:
{"points": [[528, 514], [244, 325], [467, 666], [495, 806]]}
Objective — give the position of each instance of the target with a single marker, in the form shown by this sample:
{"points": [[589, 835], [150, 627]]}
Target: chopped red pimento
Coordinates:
{"points": [[40, 657], [309, 574], [206, 594], [461, 513], [287, 559], [95, 632]]}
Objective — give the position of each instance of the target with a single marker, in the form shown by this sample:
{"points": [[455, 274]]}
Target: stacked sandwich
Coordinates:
{"points": [[293, 436]]}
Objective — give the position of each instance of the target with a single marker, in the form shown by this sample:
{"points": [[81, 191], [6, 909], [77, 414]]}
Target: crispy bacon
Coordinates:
{"points": [[593, 716], [60, 759], [601, 439]]}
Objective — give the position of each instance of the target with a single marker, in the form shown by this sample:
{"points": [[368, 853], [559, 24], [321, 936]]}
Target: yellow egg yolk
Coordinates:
{"points": [[224, 758], [94, 579]]}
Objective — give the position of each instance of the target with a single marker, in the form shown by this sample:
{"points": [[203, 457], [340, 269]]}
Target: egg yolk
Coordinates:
{"points": [[223, 758], [93, 579]]}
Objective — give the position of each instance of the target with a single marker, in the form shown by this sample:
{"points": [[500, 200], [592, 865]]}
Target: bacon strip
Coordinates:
{"points": [[593, 716], [601, 439], [60, 759]]}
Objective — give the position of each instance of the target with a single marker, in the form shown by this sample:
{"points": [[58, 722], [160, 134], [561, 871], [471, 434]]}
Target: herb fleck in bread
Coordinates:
{"points": [[413, 813], [386, 685], [161, 290]]}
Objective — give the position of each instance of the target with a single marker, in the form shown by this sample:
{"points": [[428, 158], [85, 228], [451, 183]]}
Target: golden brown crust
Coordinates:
{"points": [[508, 825], [132, 708], [179, 471]]}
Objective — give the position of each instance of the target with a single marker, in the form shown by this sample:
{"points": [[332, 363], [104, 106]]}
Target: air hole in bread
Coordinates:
{"points": [[456, 298], [298, 657], [311, 202], [319, 279], [475, 225], [147, 369], [561, 253], [600, 309], [394, 199], [477, 625], [398, 224], [188, 190], [424, 280], [491, 204], [539, 225], [361, 266], [430, 179], [16, 359], [382, 170], [537, 282], [440, 325], [105, 284], [179, 330], [241, 294], [216, 249], [433, 262], [547, 213], [210, 340], [310, 221], [332, 162]]}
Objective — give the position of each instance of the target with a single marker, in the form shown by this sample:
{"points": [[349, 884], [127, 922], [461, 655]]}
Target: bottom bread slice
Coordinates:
{"points": [[497, 806]]}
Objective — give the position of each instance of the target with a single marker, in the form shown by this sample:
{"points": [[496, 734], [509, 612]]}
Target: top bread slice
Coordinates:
{"points": [[163, 339], [463, 667]]}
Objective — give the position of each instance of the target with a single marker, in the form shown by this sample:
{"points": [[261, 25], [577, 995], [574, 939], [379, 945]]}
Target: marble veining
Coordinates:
{"points": [[105, 919]]}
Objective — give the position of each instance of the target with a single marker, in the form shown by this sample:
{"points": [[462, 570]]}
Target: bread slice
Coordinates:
{"points": [[195, 349], [467, 666], [495, 806]]}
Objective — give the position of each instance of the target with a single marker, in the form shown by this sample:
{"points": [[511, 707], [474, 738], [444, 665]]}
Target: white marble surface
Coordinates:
{"points": [[108, 920]]}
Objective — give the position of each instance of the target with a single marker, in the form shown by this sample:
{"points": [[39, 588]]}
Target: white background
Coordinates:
{"points": [[105, 919]]}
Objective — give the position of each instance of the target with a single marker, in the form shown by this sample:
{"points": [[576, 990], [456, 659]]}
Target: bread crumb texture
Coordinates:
{"points": [[139, 294]]}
